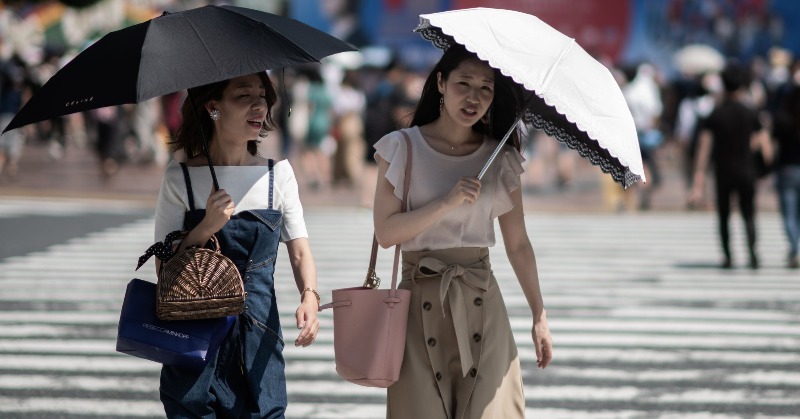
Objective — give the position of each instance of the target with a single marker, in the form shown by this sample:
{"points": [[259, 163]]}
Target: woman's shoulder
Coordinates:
{"points": [[389, 145], [173, 170], [282, 164], [395, 136]]}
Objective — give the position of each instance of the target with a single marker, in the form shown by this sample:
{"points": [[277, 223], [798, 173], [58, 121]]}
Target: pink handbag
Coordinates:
{"points": [[369, 325]]}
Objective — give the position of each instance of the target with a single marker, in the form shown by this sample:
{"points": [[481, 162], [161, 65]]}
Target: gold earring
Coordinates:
{"points": [[441, 105]]}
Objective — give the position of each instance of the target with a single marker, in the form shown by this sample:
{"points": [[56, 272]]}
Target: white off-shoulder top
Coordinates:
{"points": [[248, 186], [433, 175]]}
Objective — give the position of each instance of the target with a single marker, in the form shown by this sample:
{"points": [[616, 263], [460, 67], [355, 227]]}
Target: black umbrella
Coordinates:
{"points": [[173, 52]]}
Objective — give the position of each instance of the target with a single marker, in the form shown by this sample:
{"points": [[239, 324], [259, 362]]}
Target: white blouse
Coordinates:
{"points": [[248, 186], [433, 175]]}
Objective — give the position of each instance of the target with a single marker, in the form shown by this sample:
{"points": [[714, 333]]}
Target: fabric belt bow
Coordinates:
{"points": [[453, 276]]}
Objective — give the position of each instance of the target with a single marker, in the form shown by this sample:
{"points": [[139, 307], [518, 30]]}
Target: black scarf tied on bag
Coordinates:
{"points": [[163, 250]]}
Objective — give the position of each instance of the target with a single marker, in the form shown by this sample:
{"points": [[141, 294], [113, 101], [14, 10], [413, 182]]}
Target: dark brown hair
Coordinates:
{"points": [[505, 107], [189, 136]]}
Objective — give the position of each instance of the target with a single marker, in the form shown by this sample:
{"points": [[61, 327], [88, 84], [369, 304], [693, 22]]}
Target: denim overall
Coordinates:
{"points": [[246, 378]]}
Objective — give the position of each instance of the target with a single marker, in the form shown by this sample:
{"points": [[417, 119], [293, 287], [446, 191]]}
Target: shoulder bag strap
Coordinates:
{"points": [[372, 280]]}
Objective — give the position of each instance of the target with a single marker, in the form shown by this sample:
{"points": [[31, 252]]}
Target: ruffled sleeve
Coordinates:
{"points": [[392, 148], [509, 169]]}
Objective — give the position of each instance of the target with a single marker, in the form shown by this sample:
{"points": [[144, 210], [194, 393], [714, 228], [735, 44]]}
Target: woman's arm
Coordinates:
{"points": [[305, 276], [761, 140], [394, 227], [520, 254], [705, 143]]}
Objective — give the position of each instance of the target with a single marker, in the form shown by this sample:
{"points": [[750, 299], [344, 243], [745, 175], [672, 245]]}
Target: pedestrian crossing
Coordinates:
{"points": [[644, 324]]}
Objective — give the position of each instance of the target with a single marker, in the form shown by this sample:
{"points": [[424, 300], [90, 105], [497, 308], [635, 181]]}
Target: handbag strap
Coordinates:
{"points": [[403, 208], [374, 255]]}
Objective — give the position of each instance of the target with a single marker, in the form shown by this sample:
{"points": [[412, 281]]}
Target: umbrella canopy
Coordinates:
{"points": [[574, 98], [698, 59], [174, 52]]}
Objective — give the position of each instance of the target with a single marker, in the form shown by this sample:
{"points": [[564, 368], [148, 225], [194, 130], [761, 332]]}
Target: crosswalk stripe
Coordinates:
{"points": [[78, 406], [644, 324]]}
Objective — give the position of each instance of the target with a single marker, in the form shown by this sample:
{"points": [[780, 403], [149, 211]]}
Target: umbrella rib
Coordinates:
{"points": [[301, 49], [552, 70], [210, 55]]}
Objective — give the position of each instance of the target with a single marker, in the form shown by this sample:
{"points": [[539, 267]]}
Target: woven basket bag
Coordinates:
{"points": [[199, 283]]}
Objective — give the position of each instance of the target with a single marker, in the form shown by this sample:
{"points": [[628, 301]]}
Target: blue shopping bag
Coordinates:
{"points": [[187, 343]]}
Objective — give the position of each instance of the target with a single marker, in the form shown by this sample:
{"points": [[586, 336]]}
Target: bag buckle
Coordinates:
{"points": [[372, 280]]}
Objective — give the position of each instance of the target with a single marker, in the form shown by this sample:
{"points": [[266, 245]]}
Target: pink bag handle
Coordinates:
{"points": [[372, 280]]}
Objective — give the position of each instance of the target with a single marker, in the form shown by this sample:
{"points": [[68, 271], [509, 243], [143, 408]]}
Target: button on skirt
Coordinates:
{"points": [[433, 382]]}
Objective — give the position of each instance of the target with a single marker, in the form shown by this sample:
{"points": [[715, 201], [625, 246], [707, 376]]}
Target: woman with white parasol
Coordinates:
{"points": [[460, 357]]}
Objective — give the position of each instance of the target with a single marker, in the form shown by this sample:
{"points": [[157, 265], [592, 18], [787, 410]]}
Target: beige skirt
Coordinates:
{"points": [[460, 358]]}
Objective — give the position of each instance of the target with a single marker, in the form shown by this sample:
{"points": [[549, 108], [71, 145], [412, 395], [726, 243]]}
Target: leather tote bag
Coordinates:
{"points": [[186, 343], [369, 325]]}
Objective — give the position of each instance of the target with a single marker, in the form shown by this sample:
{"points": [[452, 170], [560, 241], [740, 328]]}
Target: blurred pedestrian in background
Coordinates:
{"points": [[349, 104], [728, 140], [385, 101], [12, 85], [316, 155], [110, 126], [643, 95], [786, 132], [696, 106]]}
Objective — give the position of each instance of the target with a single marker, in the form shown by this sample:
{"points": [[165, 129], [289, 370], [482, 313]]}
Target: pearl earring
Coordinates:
{"points": [[215, 114]]}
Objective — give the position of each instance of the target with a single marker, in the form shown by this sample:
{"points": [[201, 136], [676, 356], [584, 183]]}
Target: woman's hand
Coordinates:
{"points": [[466, 191], [307, 320], [543, 343], [219, 208]]}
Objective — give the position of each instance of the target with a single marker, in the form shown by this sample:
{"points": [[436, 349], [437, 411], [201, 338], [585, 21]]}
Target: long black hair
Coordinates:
{"points": [[505, 107], [189, 136]]}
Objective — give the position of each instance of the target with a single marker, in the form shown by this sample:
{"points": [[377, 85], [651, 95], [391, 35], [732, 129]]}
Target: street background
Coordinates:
{"points": [[76, 176], [645, 323]]}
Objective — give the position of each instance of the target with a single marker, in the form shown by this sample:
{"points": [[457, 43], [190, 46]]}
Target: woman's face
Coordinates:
{"points": [[468, 91], [243, 108]]}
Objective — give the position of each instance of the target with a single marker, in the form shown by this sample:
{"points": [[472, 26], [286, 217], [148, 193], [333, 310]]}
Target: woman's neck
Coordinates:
{"points": [[453, 134], [230, 153]]}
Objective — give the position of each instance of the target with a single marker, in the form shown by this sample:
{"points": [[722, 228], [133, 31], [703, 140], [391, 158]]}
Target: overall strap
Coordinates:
{"points": [[271, 164], [189, 192]]}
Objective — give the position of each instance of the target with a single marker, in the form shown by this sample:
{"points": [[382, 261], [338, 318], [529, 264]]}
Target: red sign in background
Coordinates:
{"points": [[600, 27]]}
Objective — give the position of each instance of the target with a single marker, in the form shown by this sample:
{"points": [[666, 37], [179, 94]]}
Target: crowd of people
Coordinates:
{"points": [[738, 122], [329, 117]]}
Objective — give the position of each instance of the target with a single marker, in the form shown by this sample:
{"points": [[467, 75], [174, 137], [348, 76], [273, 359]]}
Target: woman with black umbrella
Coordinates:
{"points": [[258, 209]]}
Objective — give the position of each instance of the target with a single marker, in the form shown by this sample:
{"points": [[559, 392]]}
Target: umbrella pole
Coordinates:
{"points": [[505, 138], [204, 142]]}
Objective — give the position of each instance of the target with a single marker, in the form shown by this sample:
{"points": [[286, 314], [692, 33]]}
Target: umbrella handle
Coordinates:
{"points": [[204, 142], [499, 147]]}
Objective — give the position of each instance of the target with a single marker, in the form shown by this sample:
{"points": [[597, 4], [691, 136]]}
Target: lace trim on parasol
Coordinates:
{"points": [[610, 165], [434, 34], [607, 163]]}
